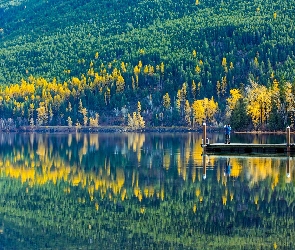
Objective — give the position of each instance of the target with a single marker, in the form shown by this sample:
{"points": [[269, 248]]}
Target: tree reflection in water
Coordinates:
{"points": [[138, 190]]}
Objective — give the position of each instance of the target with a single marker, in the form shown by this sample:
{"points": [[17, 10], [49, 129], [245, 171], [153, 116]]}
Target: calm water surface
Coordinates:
{"points": [[142, 191]]}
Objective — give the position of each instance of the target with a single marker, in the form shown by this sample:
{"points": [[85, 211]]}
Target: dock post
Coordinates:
{"points": [[204, 134], [204, 167], [204, 150], [288, 174], [288, 138]]}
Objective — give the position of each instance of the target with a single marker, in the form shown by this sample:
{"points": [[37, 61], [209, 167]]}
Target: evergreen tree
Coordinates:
{"points": [[239, 119]]}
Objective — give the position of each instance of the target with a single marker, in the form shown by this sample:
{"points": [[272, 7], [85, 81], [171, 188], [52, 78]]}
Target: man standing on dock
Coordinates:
{"points": [[227, 130]]}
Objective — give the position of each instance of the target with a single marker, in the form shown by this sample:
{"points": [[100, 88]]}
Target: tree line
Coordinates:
{"points": [[93, 99]]}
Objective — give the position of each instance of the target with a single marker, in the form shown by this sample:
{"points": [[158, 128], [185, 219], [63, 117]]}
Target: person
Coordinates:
{"points": [[227, 130], [227, 169]]}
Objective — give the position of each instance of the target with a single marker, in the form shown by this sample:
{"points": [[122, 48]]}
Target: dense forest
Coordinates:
{"points": [[147, 63]]}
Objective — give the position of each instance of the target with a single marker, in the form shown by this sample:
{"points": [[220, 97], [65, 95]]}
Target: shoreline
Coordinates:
{"points": [[122, 129], [103, 129], [262, 132]]}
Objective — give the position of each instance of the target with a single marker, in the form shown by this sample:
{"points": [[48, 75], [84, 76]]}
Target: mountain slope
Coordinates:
{"points": [[234, 41]]}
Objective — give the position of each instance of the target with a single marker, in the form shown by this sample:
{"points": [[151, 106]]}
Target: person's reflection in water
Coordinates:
{"points": [[227, 169]]}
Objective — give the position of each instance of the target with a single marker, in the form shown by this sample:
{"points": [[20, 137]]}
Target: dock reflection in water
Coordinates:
{"points": [[133, 190]]}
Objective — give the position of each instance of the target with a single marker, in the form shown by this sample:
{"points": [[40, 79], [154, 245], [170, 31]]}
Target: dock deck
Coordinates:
{"points": [[248, 148]]}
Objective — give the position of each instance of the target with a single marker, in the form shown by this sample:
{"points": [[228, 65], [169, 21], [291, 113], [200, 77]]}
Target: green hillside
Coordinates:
{"points": [[218, 45]]}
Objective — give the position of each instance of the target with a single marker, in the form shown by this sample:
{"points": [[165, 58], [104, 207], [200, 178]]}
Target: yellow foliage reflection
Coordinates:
{"points": [[85, 161]]}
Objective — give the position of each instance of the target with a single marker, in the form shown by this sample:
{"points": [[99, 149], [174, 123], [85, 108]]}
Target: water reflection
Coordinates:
{"points": [[288, 165], [124, 190]]}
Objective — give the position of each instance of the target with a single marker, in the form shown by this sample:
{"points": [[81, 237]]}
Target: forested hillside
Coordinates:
{"points": [[146, 62]]}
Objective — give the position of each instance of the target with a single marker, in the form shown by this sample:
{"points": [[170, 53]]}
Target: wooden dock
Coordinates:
{"points": [[247, 148]]}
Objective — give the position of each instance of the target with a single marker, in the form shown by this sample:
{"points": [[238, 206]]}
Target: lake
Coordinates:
{"points": [[142, 191]]}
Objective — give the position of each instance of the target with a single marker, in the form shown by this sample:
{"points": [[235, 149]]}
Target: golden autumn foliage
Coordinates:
{"points": [[204, 110], [211, 107], [136, 121], [235, 95], [194, 89], [42, 114], [187, 111], [36, 98], [166, 101], [43, 165], [258, 103], [194, 53], [198, 112]]}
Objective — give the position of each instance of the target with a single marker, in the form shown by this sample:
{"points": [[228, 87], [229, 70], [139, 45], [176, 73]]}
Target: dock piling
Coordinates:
{"points": [[204, 134], [288, 138], [288, 174], [204, 167]]}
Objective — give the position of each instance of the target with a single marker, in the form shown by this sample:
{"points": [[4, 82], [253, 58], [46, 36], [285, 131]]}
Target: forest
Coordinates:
{"points": [[147, 63]]}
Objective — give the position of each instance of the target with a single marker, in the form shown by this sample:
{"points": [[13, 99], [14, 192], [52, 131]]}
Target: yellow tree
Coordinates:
{"points": [[107, 96], [199, 87], [166, 101], [31, 112], [141, 122], [120, 83], [289, 102], [146, 69], [123, 67], [218, 88], [138, 107], [130, 121], [223, 85], [258, 103], [162, 68], [194, 53], [224, 64], [93, 122], [231, 65], [198, 112], [187, 110], [235, 95], [42, 114], [211, 108], [69, 108], [151, 70], [289, 97], [133, 83], [194, 89], [136, 121], [70, 122], [181, 97], [85, 118], [256, 63], [84, 112], [275, 93], [136, 71], [177, 105]]}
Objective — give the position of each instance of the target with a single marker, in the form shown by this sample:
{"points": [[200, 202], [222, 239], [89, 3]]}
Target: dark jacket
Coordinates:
{"points": [[227, 130]]}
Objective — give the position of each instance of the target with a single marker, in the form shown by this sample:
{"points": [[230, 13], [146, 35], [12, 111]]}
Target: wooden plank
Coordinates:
{"points": [[248, 148]]}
